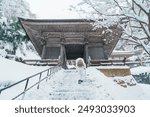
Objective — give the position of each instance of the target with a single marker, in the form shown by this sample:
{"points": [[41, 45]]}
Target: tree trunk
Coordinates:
{"points": [[149, 21], [14, 48]]}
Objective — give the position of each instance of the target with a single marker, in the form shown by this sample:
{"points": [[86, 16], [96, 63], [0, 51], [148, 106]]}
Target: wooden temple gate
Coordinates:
{"points": [[70, 39]]}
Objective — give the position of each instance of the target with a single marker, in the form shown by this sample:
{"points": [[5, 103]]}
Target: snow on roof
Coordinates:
{"points": [[122, 53], [113, 67]]}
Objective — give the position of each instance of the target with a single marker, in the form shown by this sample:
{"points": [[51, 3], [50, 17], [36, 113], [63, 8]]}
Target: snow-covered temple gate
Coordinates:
{"points": [[70, 39]]}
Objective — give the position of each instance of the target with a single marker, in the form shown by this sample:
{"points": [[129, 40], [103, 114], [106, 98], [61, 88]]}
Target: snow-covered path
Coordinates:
{"points": [[64, 86]]}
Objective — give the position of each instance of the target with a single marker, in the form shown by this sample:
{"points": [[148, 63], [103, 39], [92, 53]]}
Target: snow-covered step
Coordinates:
{"points": [[69, 88], [71, 95], [96, 86]]}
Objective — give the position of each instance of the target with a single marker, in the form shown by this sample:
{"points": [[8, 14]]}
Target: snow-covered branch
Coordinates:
{"points": [[140, 6], [132, 15]]}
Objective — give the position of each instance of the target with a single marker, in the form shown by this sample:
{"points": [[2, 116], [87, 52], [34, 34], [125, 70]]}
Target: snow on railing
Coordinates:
{"points": [[39, 78], [117, 63], [42, 62]]}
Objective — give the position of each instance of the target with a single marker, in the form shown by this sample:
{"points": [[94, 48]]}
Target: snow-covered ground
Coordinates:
{"points": [[64, 84], [96, 86], [139, 70], [11, 71]]}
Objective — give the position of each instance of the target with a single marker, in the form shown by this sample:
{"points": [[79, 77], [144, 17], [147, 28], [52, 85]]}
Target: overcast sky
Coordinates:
{"points": [[53, 9]]}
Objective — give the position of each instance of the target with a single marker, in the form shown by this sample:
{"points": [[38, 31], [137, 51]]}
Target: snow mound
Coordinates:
{"points": [[139, 70], [14, 71]]}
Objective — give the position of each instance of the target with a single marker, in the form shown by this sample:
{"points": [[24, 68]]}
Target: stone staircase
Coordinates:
{"points": [[69, 89], [64, 86]]}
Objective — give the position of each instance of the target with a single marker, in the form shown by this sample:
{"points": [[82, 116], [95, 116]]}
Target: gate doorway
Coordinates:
{"points": [[74, 51]]}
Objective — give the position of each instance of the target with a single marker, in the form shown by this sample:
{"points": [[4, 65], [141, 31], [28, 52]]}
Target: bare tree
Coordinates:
{"points": [[138, 22], [132, 15]]}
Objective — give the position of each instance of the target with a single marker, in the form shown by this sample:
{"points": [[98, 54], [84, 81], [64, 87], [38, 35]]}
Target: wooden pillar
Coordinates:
{"points": [[86, 47], [86, 53], [64, 57], [43, 52]]}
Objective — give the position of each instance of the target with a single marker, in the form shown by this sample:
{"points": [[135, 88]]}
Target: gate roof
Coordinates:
{"points": [[42, 32]]}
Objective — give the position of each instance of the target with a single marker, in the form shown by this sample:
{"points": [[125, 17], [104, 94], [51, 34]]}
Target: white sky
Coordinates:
{"points": [[53, 9]]}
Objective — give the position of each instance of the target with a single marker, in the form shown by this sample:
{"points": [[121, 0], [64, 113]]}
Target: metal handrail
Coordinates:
{"points": [[50, 71]]}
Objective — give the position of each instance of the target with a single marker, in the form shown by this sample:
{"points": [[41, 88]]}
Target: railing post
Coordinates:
{"points": [[39, 81], [52, 70], [47, 74], [55, 69], [25, 88], [111, 62], [50, 74]]}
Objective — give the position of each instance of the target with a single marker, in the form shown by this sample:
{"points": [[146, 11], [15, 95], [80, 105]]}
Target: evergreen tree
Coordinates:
{"points": [[12, 32], [0, 8]]}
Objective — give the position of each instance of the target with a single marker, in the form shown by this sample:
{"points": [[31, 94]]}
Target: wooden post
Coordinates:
{"points": [[86, 55], [89, 61], [43, 52], [111, 62]]}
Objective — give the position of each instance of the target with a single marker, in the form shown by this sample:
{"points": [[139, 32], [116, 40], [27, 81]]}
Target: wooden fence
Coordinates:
{"points": [[116, 63], [42, 62]]}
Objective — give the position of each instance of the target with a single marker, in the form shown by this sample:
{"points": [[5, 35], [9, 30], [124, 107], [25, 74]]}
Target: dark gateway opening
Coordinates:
{"points": [[74, 51]]}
